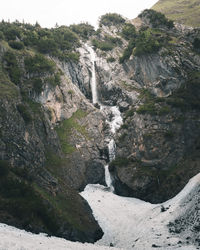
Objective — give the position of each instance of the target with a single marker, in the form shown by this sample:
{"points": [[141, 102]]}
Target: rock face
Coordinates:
{"points": [[157, 92], [53, 142], [158, 144]]}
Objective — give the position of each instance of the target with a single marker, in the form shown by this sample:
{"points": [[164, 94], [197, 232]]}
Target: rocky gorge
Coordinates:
{"points": [[54, 136]]}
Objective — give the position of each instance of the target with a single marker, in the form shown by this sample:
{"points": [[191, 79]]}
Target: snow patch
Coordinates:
{"points": [[130, 223]]}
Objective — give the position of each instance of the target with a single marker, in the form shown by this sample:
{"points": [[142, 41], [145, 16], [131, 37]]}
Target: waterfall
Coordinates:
{"points": [[115, 120], [93, 80]]}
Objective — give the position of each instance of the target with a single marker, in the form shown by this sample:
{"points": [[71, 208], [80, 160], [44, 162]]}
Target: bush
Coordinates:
{"points": [[46, 45], [25, 113], [1, 36], [147, 108], [128, 31], [103, 45], [128, 51], [12, 67], [110, 59], [39, 64], [146, 43], [54, 80], [84, 30], [16, 45], [157, 19], [110, 19], [11, 32], [37, 85]]}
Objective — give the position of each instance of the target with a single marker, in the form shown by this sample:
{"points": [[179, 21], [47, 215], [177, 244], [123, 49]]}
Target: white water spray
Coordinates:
{"points": [[114, 122], [93, 80]]}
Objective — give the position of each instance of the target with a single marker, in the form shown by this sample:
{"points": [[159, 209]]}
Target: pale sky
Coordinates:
{"points": [[66, 12]]}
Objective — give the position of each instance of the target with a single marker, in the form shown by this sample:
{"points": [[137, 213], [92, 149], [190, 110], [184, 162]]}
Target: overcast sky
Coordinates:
{"points": [[65, 12]]}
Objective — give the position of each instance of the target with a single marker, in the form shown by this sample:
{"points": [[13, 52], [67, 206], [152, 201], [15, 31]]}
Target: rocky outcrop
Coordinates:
{"points": [[53, 142], [158, 144]]}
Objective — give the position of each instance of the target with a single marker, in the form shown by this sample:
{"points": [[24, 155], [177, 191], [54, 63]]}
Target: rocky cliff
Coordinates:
{"points": [[157, 89], [51, 142]]}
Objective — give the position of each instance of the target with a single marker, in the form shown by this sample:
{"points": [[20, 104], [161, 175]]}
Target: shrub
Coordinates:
{"points": [[12, 67], [84, 30], [110, 19], [54, 80], [103, 45], [46, 45], [1, 36], [128, 51], [37, 85], [128, 31], [11, 32], [147, 108], [110, 59], [146, 43], [129, 113], [39, 64], [157, 19], [25, 113], [16, 45]]}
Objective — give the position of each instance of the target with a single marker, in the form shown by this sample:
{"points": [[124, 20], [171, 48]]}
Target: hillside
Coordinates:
{"points": [[185, 12]]}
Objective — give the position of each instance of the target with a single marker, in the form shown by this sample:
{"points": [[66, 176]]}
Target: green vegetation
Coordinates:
{"points": [[84, 30], [188, 96], [110, 19], [157, 19], [186, 12], [11, 66], [54, 163], [19, 199], [102, 45], [147, 108], [66, 129], [128, 51], [146, 41], [61, 42], [16, 45], [107, 43], [54, 80], [128, 31], [111, 59], [129, 113], [25, 113], [38, 64], [7, 88]]}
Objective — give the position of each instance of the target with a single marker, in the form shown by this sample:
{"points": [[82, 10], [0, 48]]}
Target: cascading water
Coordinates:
{"points": [[93, 80], [114, 122]]}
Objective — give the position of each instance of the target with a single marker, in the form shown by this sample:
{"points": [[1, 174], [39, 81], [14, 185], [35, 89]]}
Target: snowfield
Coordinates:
{"points": [[14, 239], [130, 223], [127, 223]]}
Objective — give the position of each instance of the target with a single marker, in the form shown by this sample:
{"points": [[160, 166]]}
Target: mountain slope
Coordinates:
{"points": [[185, 12]]}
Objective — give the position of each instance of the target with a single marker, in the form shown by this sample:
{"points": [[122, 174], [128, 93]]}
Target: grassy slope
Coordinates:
{"points": [[183, 11]]}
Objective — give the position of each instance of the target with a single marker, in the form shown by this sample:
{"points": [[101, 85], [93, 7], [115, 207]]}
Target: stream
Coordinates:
{"points": [[114, 118]]}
